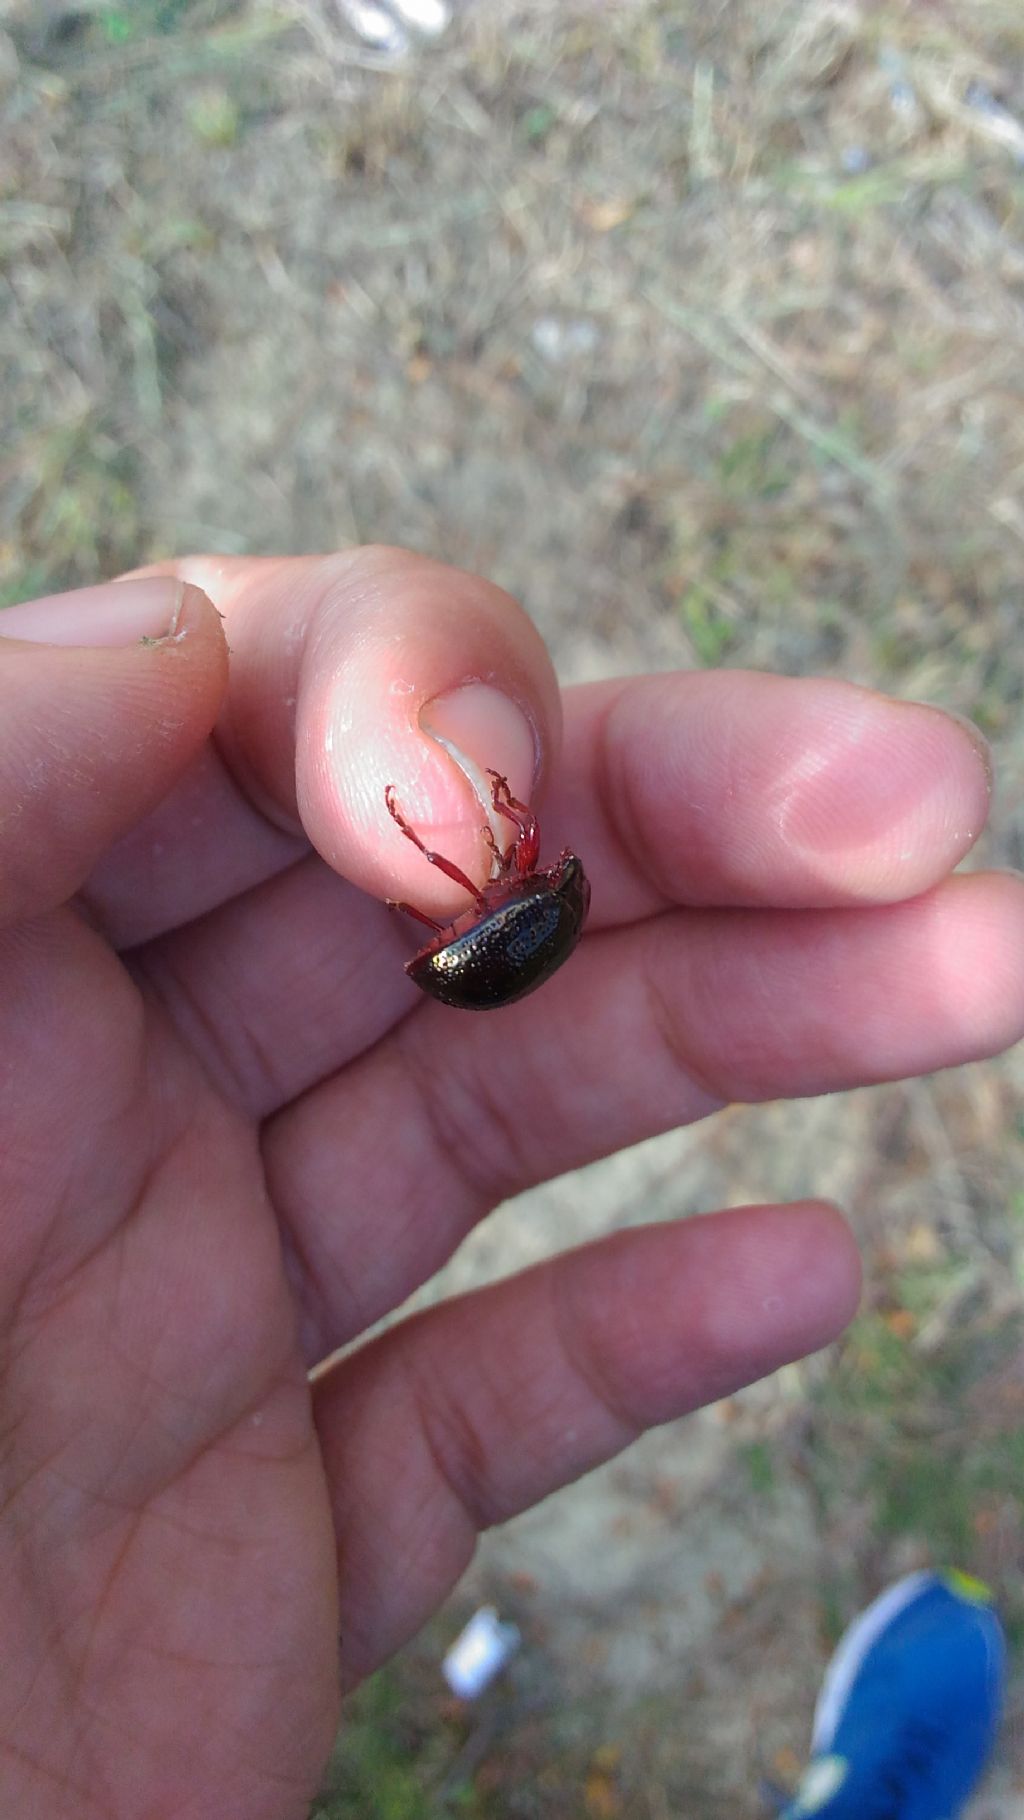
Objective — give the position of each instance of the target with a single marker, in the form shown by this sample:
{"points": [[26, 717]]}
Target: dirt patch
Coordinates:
{"points": [[702, 330]]}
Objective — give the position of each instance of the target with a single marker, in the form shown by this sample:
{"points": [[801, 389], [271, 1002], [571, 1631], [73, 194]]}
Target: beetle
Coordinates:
{"points": [[522, 924]]}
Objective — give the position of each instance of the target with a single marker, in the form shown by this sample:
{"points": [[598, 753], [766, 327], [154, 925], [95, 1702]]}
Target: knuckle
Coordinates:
{"points": [[457, 1449], [678, 1014], [475, 1132]]}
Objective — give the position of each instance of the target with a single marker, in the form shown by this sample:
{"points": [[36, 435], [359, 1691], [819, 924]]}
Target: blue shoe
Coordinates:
{"points": [[909, 1707]]}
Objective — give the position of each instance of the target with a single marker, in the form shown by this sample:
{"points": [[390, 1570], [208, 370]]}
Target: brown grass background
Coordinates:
{"points": [[701, 328]]}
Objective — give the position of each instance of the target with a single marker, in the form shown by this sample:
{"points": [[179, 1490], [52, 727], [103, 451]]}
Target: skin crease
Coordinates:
{"points": [[232, 1134]]}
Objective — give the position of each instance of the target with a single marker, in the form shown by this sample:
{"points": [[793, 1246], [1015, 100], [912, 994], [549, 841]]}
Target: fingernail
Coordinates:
{"points": [[115, 613], [484, 730], [974, 734]]}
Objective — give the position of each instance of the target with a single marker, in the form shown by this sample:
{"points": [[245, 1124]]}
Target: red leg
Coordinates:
{"points": [[526, 851], [501, 860], [420, 915], [446, 866]]}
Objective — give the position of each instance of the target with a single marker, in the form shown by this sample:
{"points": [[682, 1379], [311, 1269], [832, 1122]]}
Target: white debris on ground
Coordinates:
{"points": [[479, 1653], [390, 27]]}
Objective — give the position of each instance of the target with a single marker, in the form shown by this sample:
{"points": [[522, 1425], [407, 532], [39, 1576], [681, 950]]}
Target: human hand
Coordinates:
{"points": [[232, 1135]]}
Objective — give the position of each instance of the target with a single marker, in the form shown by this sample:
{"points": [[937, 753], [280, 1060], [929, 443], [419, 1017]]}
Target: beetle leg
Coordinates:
{"points": [[502, 861], [447, 866], [420, 915], [526, 851]]}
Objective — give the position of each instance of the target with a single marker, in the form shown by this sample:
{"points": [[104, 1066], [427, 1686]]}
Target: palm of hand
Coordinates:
{"points": [[167, 1546], [227, 1153]]}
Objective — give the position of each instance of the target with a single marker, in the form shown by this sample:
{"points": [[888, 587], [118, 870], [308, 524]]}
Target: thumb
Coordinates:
{"points": [[106, 694]]}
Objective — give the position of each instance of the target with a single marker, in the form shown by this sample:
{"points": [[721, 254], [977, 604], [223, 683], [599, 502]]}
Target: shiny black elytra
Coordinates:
{"points": [[522, 925]]}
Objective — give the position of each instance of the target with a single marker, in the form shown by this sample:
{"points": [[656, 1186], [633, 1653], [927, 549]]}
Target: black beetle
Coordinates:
{"points": [[522, 925]]}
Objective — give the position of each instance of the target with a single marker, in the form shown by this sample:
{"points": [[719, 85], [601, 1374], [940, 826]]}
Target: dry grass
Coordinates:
{"points": [[701, 327]]}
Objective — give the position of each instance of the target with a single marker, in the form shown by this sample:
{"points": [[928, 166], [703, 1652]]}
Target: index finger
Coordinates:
{"points": [[735, 788]]}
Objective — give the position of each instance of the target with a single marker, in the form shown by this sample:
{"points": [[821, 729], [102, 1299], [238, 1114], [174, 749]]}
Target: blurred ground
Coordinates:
{"points": [[701, 328]]}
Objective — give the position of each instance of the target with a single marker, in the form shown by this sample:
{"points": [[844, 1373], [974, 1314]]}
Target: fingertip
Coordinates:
{"points": [[826, 1261], [742, 788], [421, 678], [377, 666], [972, 960], [784, 1281], [105, 698], [679, 1315]]}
